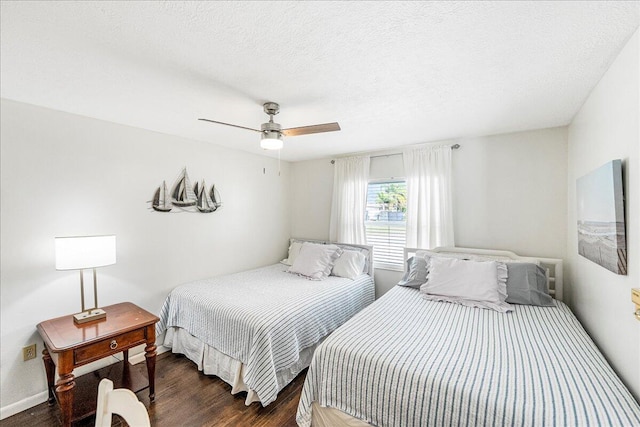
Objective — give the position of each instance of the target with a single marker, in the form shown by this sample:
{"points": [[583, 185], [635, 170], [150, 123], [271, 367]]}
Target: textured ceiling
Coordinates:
{"points": [[391, 73]]}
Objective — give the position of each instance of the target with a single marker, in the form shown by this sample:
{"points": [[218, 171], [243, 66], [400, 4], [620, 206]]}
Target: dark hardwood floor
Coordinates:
{"points": [[187, 397]]}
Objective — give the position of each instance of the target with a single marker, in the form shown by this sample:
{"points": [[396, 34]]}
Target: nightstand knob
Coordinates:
{"points": [[113, 345]]}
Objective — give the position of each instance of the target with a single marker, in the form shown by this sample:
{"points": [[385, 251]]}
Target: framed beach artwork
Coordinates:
{"points": [[601, 226]]}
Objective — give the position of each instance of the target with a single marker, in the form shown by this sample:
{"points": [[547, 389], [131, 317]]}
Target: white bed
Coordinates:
{"points": [[407, 361], [257, 329]]}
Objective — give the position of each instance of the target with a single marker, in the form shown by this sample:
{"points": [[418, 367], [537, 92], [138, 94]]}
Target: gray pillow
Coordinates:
{"points": [[416, 273], [527, 284]]}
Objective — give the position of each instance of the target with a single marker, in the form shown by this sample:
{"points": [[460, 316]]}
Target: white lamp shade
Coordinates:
{"points": [[76, 253]]}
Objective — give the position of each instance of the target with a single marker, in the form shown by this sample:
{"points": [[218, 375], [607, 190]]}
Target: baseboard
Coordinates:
{"points": [[30, 402], [23, 405]]}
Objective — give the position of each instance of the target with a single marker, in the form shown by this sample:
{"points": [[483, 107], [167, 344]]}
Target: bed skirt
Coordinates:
{"points": [[322, 416], [213, 362]]}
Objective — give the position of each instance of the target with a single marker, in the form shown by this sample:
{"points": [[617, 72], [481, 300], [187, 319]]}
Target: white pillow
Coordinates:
{"points": [[349, 265], [294, 250], [315, 260], [363, 251], [471, 283]]}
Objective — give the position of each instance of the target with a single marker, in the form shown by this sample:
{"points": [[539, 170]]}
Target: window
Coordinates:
{"points": [[385, 224]]}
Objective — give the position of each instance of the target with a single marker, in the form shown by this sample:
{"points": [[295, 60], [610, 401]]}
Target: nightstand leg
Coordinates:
{"points": [[126, 372], [150, 355], [65, 384], [64, 390], [50, 369]]}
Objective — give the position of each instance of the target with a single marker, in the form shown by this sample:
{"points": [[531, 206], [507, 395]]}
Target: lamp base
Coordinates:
{"points": [[89, 316]]}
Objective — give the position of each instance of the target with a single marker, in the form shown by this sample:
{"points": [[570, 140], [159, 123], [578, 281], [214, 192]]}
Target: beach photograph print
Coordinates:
{"points": [[601, 228]]}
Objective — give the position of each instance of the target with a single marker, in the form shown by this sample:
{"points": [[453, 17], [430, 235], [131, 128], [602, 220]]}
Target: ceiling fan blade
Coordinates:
{"points": [[306, 130], [229, 124]]}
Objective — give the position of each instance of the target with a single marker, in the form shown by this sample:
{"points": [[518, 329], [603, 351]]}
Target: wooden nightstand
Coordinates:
{"points": [[126, 326]]}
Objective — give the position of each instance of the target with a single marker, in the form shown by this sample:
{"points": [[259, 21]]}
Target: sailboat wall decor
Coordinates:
{"points": [[215, 197], [205, 204], [161, 201], [186, 198], [182, 193]]}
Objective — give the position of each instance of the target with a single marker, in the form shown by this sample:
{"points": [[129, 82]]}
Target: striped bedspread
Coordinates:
{"points": [[405, 361], [264, 317]]}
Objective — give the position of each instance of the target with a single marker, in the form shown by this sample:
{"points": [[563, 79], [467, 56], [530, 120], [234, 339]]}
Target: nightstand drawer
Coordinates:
{"points": [[101, 349]]}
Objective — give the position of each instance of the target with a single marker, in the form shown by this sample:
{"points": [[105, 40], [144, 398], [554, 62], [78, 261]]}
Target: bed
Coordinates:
{"points": [[257, 329], [409, 361]]}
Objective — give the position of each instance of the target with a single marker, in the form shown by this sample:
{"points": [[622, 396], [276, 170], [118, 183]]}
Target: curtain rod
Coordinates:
{"points": [[453, 147]]}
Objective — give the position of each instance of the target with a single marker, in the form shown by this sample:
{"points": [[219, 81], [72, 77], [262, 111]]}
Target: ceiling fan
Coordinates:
{"points": [[272, 132]]}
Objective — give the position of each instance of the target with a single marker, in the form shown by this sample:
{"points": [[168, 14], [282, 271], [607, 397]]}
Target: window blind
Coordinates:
{"points": [[385, 224]]}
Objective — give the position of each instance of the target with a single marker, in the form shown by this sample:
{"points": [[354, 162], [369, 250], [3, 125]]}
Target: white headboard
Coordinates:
{"points": [[553, 266]]}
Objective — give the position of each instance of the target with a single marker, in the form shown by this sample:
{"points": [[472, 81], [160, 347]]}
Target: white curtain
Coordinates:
{"points": [[429, 215], [350, 180]]}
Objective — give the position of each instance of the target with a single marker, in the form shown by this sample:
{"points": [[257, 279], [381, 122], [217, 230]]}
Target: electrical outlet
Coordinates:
{"points": [[29, 352]]}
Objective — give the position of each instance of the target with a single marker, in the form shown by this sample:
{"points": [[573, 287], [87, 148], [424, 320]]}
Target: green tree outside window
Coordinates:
{"points": [[393, 198]]}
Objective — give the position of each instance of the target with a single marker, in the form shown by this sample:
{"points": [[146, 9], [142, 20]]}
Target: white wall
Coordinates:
{"points": [[606, 128], [64, 175], [311, 192], [509, 193]]}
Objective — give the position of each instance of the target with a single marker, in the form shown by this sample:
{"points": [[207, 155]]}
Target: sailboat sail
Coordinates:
{"points": [[182, 194], [215, 197], [205, 204], [160, 199], [196, 191]]}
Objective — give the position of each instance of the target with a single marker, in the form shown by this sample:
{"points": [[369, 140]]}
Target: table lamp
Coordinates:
{"points": [[78, 253]]}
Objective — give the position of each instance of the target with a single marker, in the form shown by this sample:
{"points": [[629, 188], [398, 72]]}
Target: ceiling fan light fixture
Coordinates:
{"points": [[271, 132], [271, 141]]}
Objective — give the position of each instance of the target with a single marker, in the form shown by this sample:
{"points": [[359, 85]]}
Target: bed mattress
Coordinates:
{"points": [[405, 361]]}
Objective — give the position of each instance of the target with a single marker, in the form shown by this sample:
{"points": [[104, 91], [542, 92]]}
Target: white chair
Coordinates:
{"points": [[120, 401]]}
